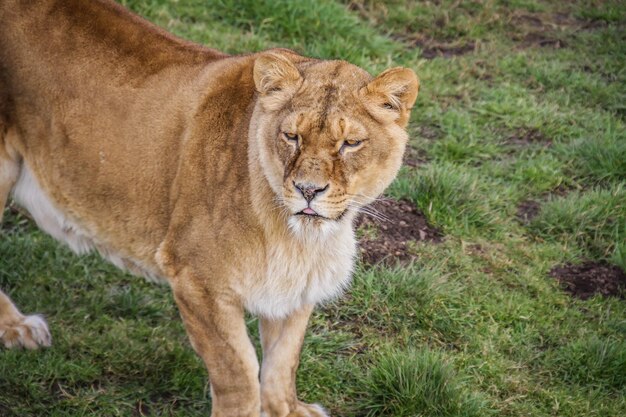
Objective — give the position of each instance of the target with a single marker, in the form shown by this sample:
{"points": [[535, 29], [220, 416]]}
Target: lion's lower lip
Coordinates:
{"points": [[319, 216], [303, 213], [311, 214]]}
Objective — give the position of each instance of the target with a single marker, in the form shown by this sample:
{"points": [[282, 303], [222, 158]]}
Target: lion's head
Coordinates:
{"points": [[330, 137]]}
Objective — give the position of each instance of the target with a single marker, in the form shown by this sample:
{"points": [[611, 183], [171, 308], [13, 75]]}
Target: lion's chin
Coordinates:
{"points": [[312, 227]]}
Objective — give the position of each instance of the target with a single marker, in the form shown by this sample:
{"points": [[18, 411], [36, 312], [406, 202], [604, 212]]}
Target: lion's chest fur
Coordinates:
{"points": [[301, 271]]}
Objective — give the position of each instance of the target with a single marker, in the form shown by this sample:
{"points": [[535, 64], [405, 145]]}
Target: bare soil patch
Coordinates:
{"points": [[429, 132], [541, 40], [431, 46], [562, 190], [590, 278], [541, 29], [524, 137], [414, 157], [387, 237], [433, 49], [528, 210]]}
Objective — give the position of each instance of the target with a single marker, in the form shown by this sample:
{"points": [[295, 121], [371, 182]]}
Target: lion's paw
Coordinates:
{"points": [[309, 410], [29, 332]]}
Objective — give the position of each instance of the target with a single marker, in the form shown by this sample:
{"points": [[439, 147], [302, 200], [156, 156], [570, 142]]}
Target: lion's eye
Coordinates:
{"points": [[352, 143], [291, 136]]}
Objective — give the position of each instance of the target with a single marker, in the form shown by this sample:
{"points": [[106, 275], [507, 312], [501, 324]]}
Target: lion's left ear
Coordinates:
{"points": [[276, 78], [392, 94]]}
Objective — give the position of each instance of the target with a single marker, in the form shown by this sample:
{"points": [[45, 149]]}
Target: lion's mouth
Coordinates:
{"points": [[308, 212], [312, 214]]}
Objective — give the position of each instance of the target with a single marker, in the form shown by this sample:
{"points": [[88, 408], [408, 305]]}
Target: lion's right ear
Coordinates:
{"points": [[276, 78]]}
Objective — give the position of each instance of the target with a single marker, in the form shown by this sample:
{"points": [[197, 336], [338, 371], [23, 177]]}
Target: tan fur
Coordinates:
{"points": [[171, 160], [19, 330]]}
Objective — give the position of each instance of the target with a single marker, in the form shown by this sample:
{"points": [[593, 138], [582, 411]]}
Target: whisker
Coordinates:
{"points": [[369, 208], [279, 205], [369, 211], [374, 216]]}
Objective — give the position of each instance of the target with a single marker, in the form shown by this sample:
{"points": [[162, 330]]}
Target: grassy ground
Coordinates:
{"points": [[521, 101]]}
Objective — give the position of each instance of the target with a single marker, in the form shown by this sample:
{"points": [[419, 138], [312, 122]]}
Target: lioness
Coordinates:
{"points": [[235, 179]]}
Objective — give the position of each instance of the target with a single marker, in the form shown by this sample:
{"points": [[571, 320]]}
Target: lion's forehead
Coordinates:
{"points": [[329, 100], [325, 93], [319, 73], [339, 87], [331, 81], [336, 126]]}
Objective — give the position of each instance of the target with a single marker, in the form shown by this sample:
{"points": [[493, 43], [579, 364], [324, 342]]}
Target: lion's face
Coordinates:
{"points": [[331, 138]]}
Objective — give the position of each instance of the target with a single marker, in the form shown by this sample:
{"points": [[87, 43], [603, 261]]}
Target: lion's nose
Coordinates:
{"points": [[309, 191]]}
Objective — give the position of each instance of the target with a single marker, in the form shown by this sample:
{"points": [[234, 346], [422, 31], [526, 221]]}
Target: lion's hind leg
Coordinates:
{"points": [[16, 329], [9, 170], [19, 330]]}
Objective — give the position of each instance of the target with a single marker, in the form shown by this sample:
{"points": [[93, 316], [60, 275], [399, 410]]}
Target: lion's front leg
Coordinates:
{"points": [[282, 341], [216, 327]]}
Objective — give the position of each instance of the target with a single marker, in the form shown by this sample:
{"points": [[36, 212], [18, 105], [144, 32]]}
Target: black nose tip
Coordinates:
{"points": [[309, 191]]}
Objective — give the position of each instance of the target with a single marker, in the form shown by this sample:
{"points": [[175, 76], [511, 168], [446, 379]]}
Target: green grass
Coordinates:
{"points": [[592, 362], [532, 110], [412, 383], [593, 221], [452, 196]]}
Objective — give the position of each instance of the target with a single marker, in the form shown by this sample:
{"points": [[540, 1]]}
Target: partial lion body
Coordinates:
{"points": [[162, 155], [128, 158]]}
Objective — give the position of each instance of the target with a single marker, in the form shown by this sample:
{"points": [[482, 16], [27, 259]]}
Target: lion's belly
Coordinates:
{"points": [[295, 277], [29, 194]]}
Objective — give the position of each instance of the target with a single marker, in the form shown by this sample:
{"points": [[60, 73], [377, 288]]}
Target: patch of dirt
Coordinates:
{"points": [[541, 39], [526, 137], [429, 132], [590, 278], [432, 46], [386, 236], [595, 24], [527, 20], [561, 190], [528, 210], [414, 157], [433, 49], [546, 29]]}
